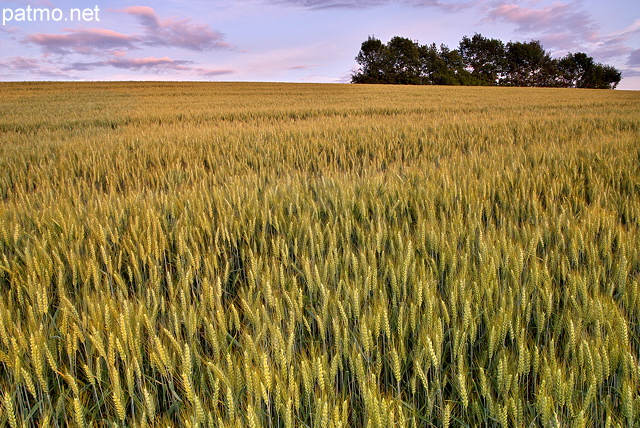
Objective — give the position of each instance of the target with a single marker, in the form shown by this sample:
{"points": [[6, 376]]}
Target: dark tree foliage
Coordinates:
{"points": [[444, 66], [578, 70], [478, 61], [527, 64], [485, 58], [373, 57], [404, 64]]}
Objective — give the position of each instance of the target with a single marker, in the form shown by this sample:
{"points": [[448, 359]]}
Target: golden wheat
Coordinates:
{"points": [[318, 255]]}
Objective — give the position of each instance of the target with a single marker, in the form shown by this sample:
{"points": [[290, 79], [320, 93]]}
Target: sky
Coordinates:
{"points": [[287, 40]]}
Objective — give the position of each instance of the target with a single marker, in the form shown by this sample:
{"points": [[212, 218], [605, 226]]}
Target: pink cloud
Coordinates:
{"points": [[131, 64], [611, 48], [632, 29], [634, 59], [555, 18], [18, 66], [171, 32], [301, 67], [561, 27], [136, 63], [332, 4], [444, 5], [615, 45], [9, 30], [152, 64], [89, 41], [211, 72], [146, 14], [175, 32], [362, 4]]}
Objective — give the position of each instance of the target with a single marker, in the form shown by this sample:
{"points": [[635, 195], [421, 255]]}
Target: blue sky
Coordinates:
{"points": [[290, 40]]}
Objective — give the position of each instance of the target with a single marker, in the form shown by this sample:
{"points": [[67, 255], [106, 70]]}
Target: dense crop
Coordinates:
{"points": [[318, 255]]}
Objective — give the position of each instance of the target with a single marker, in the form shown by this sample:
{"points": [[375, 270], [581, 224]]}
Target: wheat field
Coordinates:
{"points": [[289, 255]]}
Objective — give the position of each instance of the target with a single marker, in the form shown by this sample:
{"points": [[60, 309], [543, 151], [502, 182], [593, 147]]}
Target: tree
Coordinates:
{"points": [[478, 61], [443, 67], [610, 77], [372, 59], [454, 72], [431, 64], [579, 70], [574, 70], [405, 65], [485, 58], [528, 65]]}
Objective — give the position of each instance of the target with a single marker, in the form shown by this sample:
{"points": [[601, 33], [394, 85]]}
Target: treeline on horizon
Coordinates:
{"points": [[478, 61]]}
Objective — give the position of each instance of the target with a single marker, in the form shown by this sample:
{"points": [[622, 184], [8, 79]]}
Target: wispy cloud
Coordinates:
{"points": [[173, 32], [563, 27], [9, 30], [301, 67], [450, 6], [362, 4], [616, 44], [18, 67], [45, 68], [211, 72], [331, 4], [634, 59], [155, 32], [110, 49], [557, 18], [629, 31], [611, 47], [82, 41], [149, 64]]}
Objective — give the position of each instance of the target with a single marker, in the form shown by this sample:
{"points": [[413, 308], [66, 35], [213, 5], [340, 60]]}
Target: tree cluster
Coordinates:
{"points": [[478, 60]]}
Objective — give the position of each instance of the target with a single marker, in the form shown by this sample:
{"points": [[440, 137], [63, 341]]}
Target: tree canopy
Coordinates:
{"points": [[478, 60]]}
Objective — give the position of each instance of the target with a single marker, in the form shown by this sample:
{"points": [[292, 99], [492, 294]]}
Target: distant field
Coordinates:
{"points": [[184, 254]]}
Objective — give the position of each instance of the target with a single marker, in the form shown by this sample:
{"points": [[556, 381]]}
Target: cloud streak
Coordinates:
{"points": [[556, 18], [629, 31], [19, 66], [331, 4], [565, 27], [172, 32], [363, 4], [301, 67], [611, 48], [616, 44], [562, 27], [109, 48], [634, 59], [43, 68], [149, 64], [156, 32], [83, 41]]}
